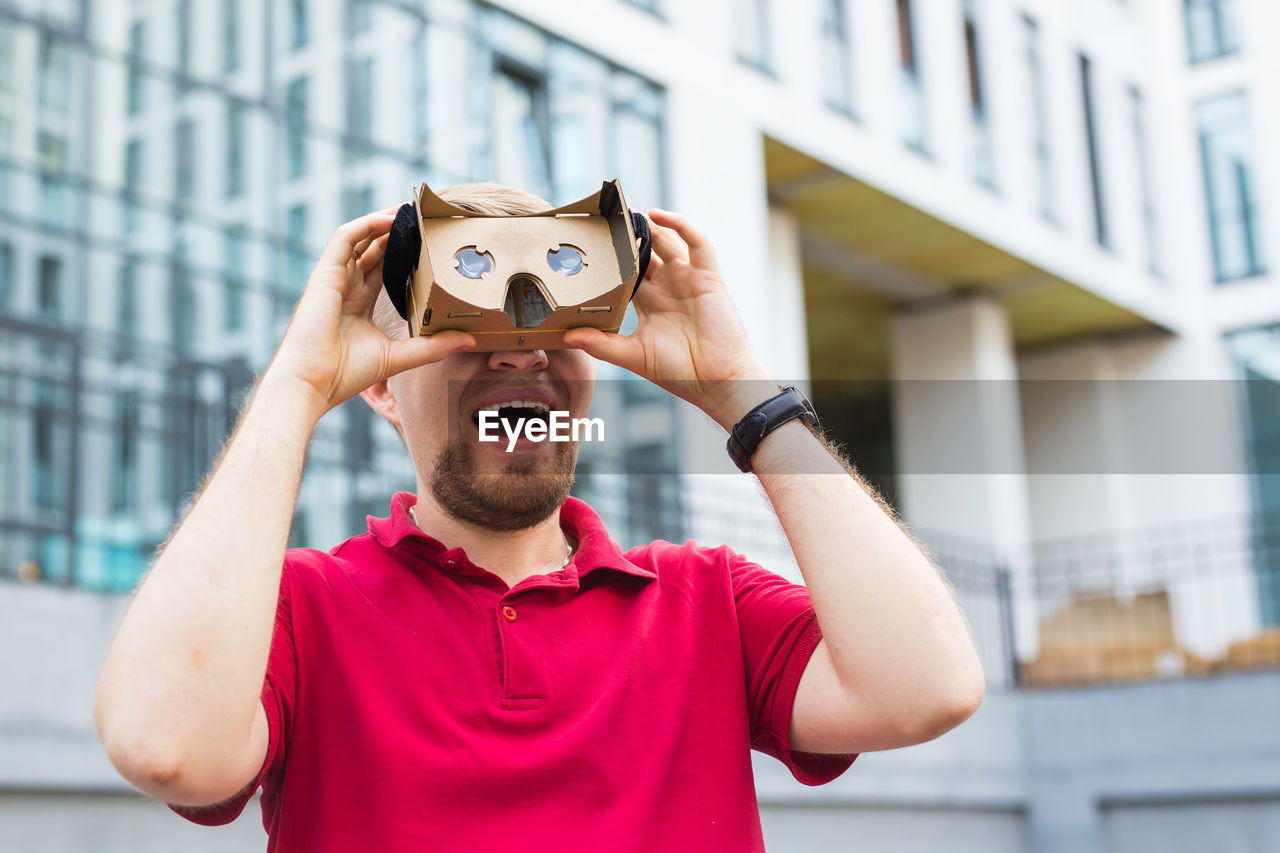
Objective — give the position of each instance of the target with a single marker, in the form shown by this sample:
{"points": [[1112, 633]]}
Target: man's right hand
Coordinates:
{"points": [[332, 349]]}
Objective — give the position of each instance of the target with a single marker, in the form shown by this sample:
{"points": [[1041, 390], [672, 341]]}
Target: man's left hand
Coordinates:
{"points": [[688, 340]]}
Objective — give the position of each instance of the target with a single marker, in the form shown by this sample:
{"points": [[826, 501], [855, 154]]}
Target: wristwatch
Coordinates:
{"points": [[747, 433]]}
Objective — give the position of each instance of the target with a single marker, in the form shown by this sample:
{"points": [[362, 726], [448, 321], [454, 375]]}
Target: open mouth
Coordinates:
{"points": [[513, 414]]}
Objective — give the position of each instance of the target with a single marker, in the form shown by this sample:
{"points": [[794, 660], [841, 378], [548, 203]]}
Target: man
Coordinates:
{"points": [[484, 669]]}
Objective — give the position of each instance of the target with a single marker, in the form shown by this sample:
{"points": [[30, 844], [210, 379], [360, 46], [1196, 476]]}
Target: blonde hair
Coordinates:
{"points": [[487, 198]]}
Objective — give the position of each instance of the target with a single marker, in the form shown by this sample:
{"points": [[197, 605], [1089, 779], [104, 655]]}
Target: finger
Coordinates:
{"points": [[426, 349], [372, 253], [357, 252], [351, 234], [650, 299], [362, 247], [700, 251], [668, 245], [656, 267], [623, 350], [370, 276], [656, 272]]}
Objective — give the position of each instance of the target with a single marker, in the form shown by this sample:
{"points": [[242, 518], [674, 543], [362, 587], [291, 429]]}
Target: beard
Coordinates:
{"points": [[516, 496]]}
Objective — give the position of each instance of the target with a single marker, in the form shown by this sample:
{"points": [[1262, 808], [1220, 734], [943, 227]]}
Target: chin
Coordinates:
{"points": [[514, 493]]}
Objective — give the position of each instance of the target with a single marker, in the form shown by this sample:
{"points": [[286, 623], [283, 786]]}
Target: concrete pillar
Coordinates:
{"points": [[951, 434], [958, 434], [788, 346], [1063, 816]]}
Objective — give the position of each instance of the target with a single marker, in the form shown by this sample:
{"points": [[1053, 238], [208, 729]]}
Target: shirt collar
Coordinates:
{"points": [[596, 549]]}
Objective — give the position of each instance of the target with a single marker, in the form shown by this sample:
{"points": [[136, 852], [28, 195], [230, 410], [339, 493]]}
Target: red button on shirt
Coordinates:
{"points": [[509, 613], [403, 718]]}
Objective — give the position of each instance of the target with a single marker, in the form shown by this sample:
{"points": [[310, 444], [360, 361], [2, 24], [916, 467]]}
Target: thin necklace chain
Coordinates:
{"points": [[568, 549]]}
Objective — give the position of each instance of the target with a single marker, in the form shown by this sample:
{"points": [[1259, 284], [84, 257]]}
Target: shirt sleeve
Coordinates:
{"points": [[278, 689], [779, 631]]}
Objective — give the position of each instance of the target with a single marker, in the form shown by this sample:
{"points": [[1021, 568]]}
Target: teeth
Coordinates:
{"points": [[538, 408]]}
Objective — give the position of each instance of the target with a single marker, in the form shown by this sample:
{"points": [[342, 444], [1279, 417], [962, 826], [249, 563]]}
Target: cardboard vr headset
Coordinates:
{"points": [[515, 282]]}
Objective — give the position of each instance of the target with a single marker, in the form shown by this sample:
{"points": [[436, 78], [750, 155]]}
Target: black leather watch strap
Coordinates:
{"points": [[747, 433]]}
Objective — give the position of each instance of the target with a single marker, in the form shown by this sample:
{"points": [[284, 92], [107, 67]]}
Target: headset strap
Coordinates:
{"points": [[641, 226]]}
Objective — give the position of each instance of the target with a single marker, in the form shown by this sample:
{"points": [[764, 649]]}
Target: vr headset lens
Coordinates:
{"points": [[473, 264], [566, 260]]}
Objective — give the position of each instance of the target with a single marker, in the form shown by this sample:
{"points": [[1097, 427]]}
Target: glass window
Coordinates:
{"points": [[1101, 232], [1142, 169], [7, 195], [356, 202], [751, 32], [359, 444], [182, 305], [184, 159], [133, 176], [906, 36], [6, 276], [295, 116], [913, 116], [1227, 162], [1211, 29], [235, 262], [55, 73], [582, 122], [419, 106], [127, 301], [181, 408], [49, 288], [359, 16], [45, 476], [638, 128], [837, 56], [8, 57], [298, 537], [1256, 353], [514, 39], [124, 485], [182, 24], [298, 22], [647, 5], [1040, 140], [235, 148], [136, 82], [359, 100], [520, 130], [230, 35], [983, 164], [53, 153], [297, 258]]}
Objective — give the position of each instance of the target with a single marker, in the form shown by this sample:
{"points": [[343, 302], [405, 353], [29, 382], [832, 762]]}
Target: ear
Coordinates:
{"points": [[382, 400]]}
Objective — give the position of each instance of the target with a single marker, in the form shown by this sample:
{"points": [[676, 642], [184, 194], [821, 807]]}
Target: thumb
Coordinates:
{"points": [[622, 350], [426, 349]]}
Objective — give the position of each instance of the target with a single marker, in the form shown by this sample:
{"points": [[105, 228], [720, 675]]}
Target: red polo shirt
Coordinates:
{"points": [[417, 703]]}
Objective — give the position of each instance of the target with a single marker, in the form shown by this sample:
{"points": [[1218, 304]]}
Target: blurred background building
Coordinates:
{"points": [[1022, 251]]}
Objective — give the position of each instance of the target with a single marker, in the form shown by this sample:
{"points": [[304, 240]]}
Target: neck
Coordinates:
{"points": [[510, 554]]}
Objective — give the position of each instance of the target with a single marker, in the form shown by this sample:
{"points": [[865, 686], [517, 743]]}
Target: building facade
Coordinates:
{"points": [[1022, 253]]}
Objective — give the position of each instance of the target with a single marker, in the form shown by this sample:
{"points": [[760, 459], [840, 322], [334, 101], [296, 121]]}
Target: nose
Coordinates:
{"points": [[519, 361]]}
